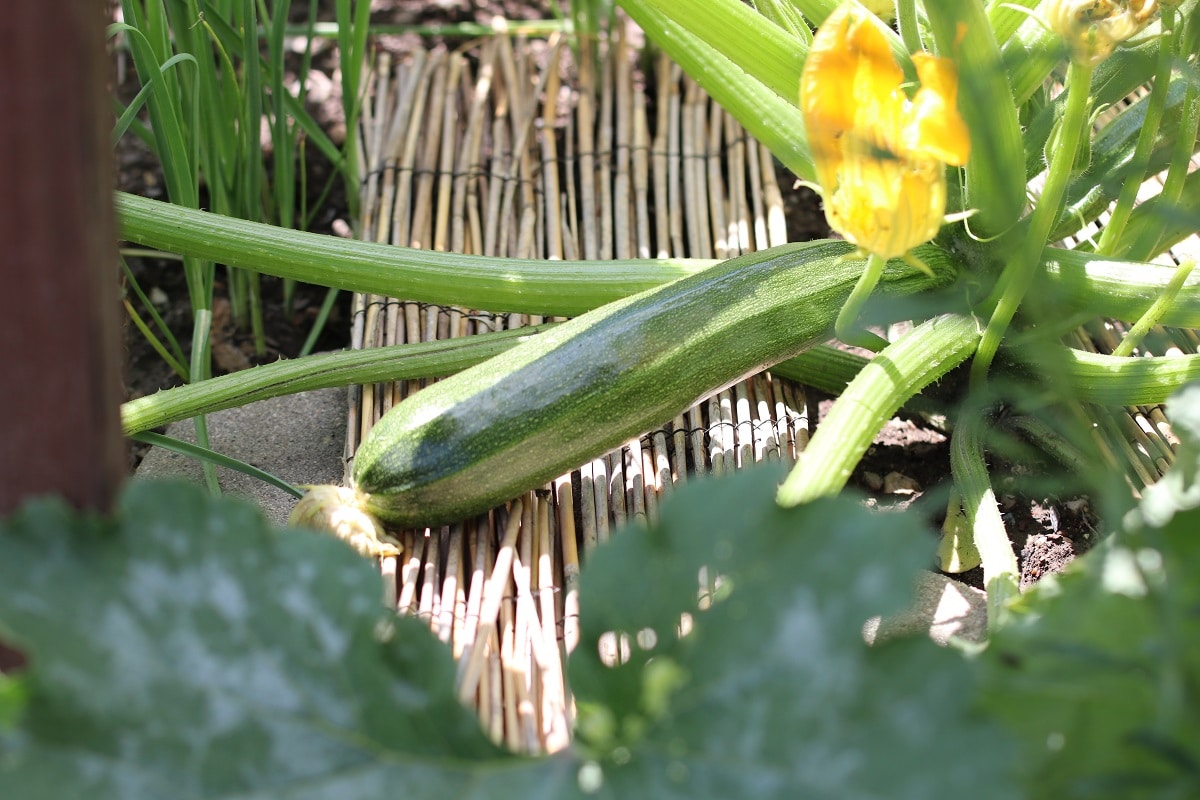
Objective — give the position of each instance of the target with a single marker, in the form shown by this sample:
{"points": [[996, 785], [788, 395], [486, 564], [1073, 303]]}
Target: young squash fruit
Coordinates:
{"points": [[555, 401]]}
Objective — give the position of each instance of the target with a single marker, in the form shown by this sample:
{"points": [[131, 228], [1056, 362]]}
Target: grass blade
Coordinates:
{"points": [[212, 458]]}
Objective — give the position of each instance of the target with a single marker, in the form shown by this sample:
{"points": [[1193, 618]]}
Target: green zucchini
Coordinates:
{"points": [[530, 414]]}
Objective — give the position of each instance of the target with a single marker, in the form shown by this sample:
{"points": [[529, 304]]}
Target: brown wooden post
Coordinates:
{"points": [[60, 385]]}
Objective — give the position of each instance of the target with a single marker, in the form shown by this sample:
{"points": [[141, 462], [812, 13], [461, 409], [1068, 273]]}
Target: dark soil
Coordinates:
{"points": [[908, 463]]}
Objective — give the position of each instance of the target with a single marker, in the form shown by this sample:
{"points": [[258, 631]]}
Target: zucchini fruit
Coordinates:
{"points": [[530, 414]]}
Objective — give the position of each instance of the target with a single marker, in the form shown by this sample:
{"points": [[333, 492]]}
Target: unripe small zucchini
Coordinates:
{"points": [[530, 414]]}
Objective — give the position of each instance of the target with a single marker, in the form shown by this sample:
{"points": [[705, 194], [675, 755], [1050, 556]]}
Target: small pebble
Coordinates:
{"points": [[895, 483], [1077, 506], [872, 481]]}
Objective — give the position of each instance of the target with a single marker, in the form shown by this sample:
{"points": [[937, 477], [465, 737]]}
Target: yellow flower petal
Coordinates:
{"points": [[1092, 29], [941, 132], [880, 158], [826, 83]]}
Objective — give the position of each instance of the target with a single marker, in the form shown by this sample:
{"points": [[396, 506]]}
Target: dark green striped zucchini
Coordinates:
{"points": [[526, 416]]}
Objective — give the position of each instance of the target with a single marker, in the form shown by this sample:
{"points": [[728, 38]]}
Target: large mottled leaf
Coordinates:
{"points": [[12, 700], [1099, 670], [772, 692], [186, 649]]}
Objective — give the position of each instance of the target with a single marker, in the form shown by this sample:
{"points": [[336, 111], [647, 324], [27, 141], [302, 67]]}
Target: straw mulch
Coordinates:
{"points": [[488, 151], [515, 148]]}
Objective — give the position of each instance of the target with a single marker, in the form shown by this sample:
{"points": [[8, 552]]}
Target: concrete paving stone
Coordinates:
{"points": [[943, 608], [299, 438]]}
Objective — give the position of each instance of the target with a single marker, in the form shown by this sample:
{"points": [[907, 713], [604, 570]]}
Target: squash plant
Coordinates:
{"points": [[933, 130], [926, 136]]}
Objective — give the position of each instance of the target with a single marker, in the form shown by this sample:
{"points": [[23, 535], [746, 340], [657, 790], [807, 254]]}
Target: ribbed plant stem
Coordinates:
{"points": [[1148, 241], [1151, 318], [897, 373], [1145, 144], [1019, 274], [327, 370], [1102, 287], [906, 21], [844, 327], [565, 288], [1000, 572]]}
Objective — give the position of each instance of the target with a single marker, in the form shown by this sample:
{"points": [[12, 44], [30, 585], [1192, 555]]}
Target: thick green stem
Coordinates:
{"points": [[707, 53], [956, 552], [327, 370], [1000, 572], [1005, 18], [757, 45], [1102, 287], [1149, 241], [905, 367], [562, 288], [1096, 378], [844, 327], [1018, 276], [1145, 144], [1030, 54], [1123, 290], [906, 22], [1148, 320], [1106, 380]]}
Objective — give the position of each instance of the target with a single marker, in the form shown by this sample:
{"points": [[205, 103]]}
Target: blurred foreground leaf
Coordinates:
{"points": [[1099, 672], [773, 692], [189, 650], [1179, 489]]}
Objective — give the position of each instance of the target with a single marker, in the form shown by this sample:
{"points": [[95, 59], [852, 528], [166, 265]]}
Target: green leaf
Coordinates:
{"points": [[750, 40], [770, 117], [1099, 673], [186, 649], [12, 700], [773, 692], [210, 456]]}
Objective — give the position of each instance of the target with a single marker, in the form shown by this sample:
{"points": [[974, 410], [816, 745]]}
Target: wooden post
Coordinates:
{"points": [[60, 385]]}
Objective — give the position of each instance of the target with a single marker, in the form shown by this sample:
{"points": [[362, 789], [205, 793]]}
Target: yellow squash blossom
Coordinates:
{"points": [[1092, 29], [880, 156]]}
